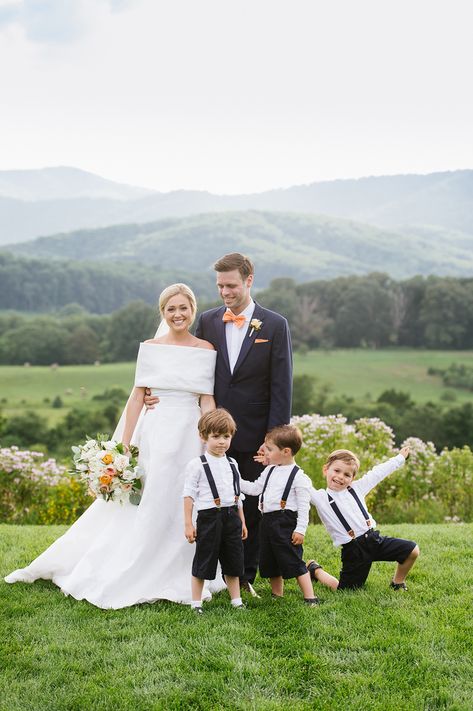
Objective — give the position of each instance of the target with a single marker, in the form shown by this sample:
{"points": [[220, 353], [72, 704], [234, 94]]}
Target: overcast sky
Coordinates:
{"points": [[236, 95]]}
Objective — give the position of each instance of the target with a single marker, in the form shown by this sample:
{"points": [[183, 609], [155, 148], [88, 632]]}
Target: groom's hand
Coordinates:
{"points": [[150, 400]]}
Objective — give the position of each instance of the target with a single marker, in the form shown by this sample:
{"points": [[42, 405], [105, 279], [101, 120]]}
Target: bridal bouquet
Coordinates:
{"points": [[107, 470]]}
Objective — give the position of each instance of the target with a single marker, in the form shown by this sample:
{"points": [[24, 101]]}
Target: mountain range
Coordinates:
{"points": [[297, 245], [53, 200]]}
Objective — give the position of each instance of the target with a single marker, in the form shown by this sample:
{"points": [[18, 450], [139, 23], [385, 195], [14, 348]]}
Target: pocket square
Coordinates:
{"points": [[261, 340]]}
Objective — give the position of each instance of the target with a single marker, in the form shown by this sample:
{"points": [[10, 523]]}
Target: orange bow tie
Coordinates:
{"points": [[238, 320]]}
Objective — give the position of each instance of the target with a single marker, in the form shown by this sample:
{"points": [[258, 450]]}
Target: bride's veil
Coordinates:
{"points": [[163, 329]]}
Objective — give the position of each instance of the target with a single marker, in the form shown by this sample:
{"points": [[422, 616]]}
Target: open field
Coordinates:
{"points": [[351, 372], [374, 649]]}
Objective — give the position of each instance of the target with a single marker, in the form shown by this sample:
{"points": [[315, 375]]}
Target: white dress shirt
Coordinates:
{"points": [[196, 484], [299, 494], [347, 504], [235, 335]]}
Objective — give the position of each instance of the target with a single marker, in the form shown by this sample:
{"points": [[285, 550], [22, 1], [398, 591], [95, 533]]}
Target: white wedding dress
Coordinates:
{"points": [[118, 555]]}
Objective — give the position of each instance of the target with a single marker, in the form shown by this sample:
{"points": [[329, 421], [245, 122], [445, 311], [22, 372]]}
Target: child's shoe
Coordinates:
{"points": [[276, 597], [398, 586], [311, 601], [312, 566], [198, 610], [248, 587], [239, 607]]}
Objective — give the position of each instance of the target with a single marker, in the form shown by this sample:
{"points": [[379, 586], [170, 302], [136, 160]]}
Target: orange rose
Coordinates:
{"points": [[105, 479], [107, 459]]}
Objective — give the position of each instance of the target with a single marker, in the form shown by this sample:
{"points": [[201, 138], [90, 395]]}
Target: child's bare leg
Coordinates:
{"points": [[305, 584], [277, 586], [197, 586], [402, 569], [326, 579], [233, 585]]}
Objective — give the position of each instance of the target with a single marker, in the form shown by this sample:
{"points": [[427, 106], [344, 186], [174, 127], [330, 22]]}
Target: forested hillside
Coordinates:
{"points": [[99, 286], [281, 244], [32, 205]]}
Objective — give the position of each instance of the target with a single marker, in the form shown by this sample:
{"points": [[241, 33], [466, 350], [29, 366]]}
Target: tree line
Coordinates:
{"points": [[358, 311], [376, 311]]}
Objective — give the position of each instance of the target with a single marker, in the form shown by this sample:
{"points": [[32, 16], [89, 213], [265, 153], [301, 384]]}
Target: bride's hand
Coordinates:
{"points": [[150, 400]]}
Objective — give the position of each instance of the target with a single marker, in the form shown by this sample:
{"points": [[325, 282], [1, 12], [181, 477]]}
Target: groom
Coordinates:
{"points": [[253, 377]]}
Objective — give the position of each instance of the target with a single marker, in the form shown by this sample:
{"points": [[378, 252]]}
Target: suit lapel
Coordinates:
{"points": [[248, 340], [221, 338]]}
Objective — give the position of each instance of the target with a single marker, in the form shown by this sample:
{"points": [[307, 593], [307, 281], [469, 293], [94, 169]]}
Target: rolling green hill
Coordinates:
{"points": [[282, 244]]}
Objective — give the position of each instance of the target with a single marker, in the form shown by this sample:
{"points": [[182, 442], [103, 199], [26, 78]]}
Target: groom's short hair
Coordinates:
{"points": [[216, 422], [235, 260]]}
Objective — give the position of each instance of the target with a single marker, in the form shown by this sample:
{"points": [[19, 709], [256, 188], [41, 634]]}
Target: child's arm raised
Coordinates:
{"points": [[254, 488], [380, 472]]}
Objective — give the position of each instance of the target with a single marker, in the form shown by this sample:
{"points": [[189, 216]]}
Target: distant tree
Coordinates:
{"points": [[41, 342], [446, 313], [82, 346], [365, 316], [127, 327]]}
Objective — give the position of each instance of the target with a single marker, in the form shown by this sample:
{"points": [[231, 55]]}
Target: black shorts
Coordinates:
{"points": [[359, 554], [278, 555], [218, 539]]}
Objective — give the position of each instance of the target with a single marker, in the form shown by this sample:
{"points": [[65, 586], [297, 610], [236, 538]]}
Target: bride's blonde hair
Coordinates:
{"points": [[173, 290]]}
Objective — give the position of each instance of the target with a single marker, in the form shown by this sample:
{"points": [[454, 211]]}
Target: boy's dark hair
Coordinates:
{"points": [[217, 422], [235, 260], [344, 455], [286, 436]]}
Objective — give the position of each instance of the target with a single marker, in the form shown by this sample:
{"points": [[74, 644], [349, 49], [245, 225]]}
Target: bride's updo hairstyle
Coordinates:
{"points": [[174, 290]]}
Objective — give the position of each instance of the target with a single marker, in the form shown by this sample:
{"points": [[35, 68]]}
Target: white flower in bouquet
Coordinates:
{"points": [[107, 470]]}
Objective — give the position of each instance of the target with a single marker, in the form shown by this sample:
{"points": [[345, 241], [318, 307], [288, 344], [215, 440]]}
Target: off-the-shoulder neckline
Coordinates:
{"points": [[173, 345]]}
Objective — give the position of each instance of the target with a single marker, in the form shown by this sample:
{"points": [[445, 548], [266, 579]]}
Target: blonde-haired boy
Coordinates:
{"points": [[342, 510]]}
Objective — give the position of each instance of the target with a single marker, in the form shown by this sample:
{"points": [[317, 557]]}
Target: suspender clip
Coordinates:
{"points": [[217, 502], [351, 533], [283, 504]]}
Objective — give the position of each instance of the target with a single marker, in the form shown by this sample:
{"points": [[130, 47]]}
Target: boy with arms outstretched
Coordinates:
{"points": [[342, 510], [284, 492], [213, 484]]}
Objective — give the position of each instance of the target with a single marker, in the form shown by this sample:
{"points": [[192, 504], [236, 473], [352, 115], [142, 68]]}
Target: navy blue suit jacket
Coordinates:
{"points": [[258, 393]]}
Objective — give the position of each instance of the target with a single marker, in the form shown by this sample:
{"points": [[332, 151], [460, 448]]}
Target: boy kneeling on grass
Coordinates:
{"points": [[284, 492], [342, 510], [213, 483]]}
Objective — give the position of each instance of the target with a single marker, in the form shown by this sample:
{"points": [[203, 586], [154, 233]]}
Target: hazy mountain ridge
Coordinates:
{"points": [[441, 201], [301, 246], [62, 183]]}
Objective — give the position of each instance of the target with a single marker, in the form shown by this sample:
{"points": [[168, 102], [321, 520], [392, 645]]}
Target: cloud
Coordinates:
{"points": [[55, 21]]}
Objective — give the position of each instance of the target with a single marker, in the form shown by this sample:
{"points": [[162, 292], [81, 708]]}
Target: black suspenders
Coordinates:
{"points": [[342, 519], [287, 488], [211, 480]]}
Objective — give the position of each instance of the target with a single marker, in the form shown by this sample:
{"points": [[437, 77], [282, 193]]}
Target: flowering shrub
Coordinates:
{"points": [[37, 490], [428, 488]]}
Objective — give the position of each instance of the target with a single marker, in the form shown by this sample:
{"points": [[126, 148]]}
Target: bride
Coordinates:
{"points": [[118, 555]]}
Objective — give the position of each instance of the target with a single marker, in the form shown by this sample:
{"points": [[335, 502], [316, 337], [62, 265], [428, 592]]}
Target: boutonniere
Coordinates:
{"points": [[255, 324]]}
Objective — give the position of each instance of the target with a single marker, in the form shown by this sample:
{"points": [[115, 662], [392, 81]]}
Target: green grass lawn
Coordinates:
{"points": [[353, 372], [356, 372], [364, 650]]}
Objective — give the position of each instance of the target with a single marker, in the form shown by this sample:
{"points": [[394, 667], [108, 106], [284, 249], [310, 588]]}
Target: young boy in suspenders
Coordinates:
{"points": [[212, 482], [284, 492], [342, 510]]}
